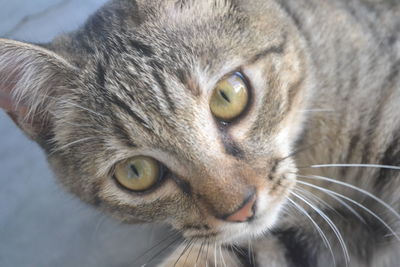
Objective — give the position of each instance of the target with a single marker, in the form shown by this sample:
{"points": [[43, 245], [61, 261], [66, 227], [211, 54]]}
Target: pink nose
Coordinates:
{"points": [[245, 212]]}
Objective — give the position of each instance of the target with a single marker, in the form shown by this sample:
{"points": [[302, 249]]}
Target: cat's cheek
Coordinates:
{"points": [[269, 216]]}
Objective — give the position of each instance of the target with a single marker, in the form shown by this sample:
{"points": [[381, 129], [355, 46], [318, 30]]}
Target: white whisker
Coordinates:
{"points": [[331, 225], [317, 177], [208, 245], [312, 196], [354, 212], [356, 165], [215, 255], [190, 251], [319, 230], [317, 110], [251, 251], [222, 255], [354, 202]]}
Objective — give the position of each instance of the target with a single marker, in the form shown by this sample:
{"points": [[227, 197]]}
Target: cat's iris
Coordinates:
{"points": [[230, 98], [138, 173]]}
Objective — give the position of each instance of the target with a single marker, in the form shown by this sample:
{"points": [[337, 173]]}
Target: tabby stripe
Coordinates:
{"points": [[96, 25], [351, 149], [164, 90], [115, 100], [94, 192], [295, 89], [190, 84], [156, 64], [100, 79], [391, 158], [122, 133], [270, 50], [120, 45], [356, 138], [297, 251], [285, 6], [231, 148], [82, 43], [388, 87], [142, 48], [393, 38], [100, 75], [119, 129]]}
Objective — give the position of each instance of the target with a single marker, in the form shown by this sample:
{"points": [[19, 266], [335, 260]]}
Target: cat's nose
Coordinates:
{"points": [[245, 212]]}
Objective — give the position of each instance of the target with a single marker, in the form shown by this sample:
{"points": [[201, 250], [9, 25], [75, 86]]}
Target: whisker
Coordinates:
{"points": [[183, 251], [215, 255], [301, 149], [354, 212], [317, 177], [353, 165], [222, 256], [317, 110], [155, 246], [249, 254], [312, 196], [331, 225], [201, 249], [238, 249], [160, 252], [190, 251], [208, 245], [253, 260], [319, 230], [101, 221], [354, 202]]}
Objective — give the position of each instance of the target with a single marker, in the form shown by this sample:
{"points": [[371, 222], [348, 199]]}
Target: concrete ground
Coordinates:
{"points": [[40, 225]]}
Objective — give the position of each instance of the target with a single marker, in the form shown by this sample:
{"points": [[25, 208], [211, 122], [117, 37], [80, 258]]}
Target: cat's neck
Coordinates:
{"points": [[355, 59]]}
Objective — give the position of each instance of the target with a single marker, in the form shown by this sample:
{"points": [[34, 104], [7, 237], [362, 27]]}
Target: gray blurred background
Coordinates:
{"points": [[40, 225]]}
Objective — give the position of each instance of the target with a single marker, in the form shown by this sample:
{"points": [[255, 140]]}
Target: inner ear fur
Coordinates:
{"points": [[31, 80]]}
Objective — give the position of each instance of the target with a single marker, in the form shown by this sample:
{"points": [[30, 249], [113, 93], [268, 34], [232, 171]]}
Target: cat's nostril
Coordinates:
{"points": [[245, 212]]}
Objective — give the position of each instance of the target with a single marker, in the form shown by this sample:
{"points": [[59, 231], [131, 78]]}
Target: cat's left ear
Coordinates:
{"points": [[31, 79]]}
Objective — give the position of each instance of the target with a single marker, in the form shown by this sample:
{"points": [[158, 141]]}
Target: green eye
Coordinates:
{"points": [[230, 98], [138, 173]]}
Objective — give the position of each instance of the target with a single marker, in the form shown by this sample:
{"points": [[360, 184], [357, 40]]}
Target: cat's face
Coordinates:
{"points": [[134, 129]]}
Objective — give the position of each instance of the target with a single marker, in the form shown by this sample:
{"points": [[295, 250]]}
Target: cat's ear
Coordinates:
{"points": [[31, 79]]}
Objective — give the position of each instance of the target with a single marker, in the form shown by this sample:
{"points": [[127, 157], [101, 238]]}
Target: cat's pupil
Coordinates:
{"points": [[224, 96], [135, 170]]}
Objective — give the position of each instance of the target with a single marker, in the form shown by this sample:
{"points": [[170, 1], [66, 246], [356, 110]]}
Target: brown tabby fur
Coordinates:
{"points": [[137, 79]]}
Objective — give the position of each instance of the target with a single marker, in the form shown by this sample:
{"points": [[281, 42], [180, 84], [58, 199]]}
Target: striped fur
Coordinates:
{"points": [[136, 80]]}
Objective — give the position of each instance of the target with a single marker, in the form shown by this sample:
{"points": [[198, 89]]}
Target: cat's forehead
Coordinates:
{"points": [[155, 74], [177, 34]]}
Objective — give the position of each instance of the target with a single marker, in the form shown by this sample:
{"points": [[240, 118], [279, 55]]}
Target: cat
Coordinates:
{"points": [[264, 131]]}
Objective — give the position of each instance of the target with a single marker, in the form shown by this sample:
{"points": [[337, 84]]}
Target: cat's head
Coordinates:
{"points": [[182, 112]]}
